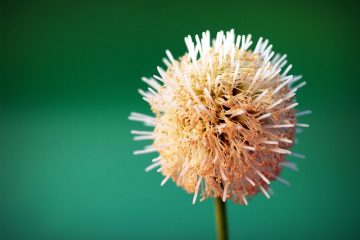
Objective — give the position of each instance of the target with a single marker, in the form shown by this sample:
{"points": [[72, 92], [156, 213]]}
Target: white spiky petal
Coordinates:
{"points": [[224, 117]]}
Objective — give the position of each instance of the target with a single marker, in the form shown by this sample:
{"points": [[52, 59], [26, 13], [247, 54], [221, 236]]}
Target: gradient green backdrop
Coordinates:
{"points": [[69, 75]]}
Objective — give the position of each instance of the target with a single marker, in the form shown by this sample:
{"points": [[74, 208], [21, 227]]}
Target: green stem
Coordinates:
{"points": [[221, 224]]}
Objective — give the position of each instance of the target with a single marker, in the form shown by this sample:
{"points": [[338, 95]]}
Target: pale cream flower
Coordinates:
{"points": [[224, 117]]}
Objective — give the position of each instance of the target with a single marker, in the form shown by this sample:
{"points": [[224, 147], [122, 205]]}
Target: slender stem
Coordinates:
{"points": [[221, 224]]}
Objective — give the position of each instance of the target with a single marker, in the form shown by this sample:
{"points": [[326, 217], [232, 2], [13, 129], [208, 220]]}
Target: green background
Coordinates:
{"points": [[69, 75]]}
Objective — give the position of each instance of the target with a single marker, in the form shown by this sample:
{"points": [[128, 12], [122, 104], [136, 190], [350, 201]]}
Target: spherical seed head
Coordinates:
{"points": [[224, 117]]}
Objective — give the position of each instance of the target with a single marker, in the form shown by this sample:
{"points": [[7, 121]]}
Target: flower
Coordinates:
{"points": [[224, 117]]}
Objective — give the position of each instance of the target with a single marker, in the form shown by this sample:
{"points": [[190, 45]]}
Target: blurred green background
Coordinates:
{"points": [[69, 75]]}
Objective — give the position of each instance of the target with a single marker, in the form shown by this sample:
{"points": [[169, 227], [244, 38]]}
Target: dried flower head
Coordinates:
{"points": [[224, 117]]}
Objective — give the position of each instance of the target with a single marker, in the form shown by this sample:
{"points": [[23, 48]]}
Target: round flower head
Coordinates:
{"points": [[224, 117]]}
